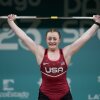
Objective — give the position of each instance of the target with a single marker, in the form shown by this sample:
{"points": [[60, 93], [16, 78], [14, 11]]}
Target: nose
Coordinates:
{"points": [[52, 40]]}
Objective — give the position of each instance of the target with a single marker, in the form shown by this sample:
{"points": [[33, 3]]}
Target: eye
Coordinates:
{"points": [[49, 38], [54, 38]]}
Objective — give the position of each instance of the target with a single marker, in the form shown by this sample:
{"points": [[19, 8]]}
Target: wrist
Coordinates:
{"points": [[98, 24], [10, 21]]}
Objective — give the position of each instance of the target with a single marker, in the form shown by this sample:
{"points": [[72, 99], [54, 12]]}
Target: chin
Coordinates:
{"points": [[52, 48]]}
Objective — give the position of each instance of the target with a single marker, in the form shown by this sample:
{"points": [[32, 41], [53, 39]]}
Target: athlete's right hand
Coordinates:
{"points": [[11, 17]]}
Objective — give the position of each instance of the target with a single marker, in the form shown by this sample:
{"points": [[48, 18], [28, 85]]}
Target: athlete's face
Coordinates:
{"points": [[53, 40]]}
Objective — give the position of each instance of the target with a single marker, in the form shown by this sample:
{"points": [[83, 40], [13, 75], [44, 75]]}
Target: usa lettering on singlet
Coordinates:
{"points": [[54, 83]]}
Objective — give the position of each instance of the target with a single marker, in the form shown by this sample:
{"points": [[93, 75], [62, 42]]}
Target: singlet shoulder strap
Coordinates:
{"points": [[61, 52], [46, 50]]}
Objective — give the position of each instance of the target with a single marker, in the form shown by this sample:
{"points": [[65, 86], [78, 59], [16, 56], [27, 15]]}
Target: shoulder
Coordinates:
{"points": [[40, 54], [39, 50], [66, 50], [67, 54]]}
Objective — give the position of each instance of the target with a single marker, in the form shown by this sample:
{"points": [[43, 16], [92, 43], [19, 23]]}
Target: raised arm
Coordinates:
{"points": [[74, 47], [24, 37]]}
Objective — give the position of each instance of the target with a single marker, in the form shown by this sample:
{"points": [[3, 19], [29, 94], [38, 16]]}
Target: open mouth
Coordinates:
{"points": [[52, 44]]}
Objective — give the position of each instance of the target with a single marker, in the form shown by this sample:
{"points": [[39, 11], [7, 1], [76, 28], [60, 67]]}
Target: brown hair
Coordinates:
{"points": [[53, 30]]}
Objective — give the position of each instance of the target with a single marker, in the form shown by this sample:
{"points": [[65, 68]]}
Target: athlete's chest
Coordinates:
{"points": [[53, 68]]}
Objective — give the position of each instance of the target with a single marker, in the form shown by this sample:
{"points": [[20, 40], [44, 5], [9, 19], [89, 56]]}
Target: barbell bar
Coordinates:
{"points": [[52, 17]]}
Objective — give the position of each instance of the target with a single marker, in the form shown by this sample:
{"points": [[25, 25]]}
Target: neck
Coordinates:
{"points": [[53, 50]]}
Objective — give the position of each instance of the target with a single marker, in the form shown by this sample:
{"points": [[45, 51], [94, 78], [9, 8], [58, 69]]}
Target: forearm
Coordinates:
{"points": [[20, 33], [91, 31]]}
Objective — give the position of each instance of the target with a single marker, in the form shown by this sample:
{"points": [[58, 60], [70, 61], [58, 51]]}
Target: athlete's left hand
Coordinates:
{"points": [[96, 18]]}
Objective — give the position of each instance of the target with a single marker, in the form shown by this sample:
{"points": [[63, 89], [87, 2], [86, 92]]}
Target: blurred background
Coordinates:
{"points": [[20, 76]]}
